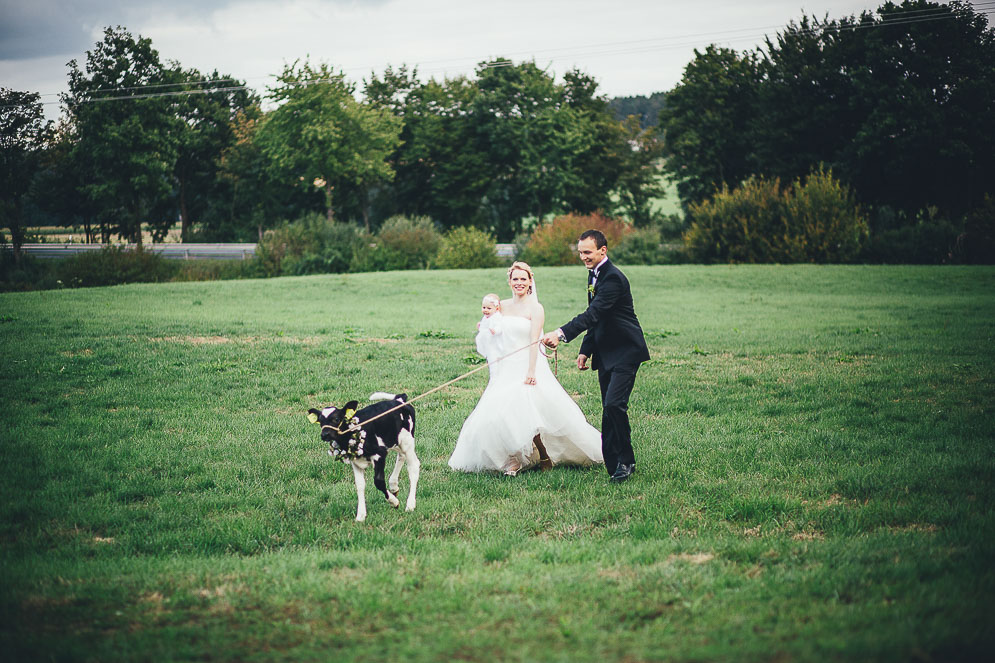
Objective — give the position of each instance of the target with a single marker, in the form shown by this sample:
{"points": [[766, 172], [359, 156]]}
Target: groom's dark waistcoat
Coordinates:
{"points": [[614, 336]]}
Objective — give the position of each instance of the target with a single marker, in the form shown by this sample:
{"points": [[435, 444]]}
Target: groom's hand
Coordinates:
{"points": [[551, 340], [582, 362]]}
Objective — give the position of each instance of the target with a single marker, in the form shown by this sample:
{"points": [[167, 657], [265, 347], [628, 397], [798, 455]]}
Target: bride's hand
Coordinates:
{"points": [[530, 379]]}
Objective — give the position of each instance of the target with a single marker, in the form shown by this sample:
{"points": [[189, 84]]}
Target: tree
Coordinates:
{"points": [[924, 92], [207, 129], [893, 104], [640, 179], [645, 109], [57, 186], [441, 172], [127, 138], [22, 133], [321, 136], [550, 148], [804, 113], [512, 145], [892, 101], [253, 198], [706, 123]]}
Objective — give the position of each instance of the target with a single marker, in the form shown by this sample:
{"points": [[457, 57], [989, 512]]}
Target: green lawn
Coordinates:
{"points": [[815, 475]]}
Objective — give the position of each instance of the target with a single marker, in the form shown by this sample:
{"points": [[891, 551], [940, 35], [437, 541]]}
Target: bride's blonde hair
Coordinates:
{"points": [[524, 266]]}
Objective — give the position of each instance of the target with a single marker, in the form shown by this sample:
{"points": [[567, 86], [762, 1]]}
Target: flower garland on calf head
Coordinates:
{"points": [[353, 449]]}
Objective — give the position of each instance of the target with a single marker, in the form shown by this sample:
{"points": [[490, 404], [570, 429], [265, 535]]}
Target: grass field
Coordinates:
{"points": [[815, 475]]}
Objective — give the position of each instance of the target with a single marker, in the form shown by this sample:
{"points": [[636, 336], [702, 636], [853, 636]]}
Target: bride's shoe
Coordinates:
{"points": [[512, 468]]}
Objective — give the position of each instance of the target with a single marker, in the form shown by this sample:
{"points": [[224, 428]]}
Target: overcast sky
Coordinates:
{"points": [[631, 47]]}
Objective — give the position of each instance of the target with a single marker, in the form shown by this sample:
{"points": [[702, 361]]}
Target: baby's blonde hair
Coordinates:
{"points": [[491, 297]]}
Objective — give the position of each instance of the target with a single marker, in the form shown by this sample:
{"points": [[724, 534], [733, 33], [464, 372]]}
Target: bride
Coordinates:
{"points": [[524, 417]]}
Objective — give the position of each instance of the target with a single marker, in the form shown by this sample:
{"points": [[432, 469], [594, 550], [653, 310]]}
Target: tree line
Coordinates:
{"points": [[895, 104], [146, 142], [898, 104]]}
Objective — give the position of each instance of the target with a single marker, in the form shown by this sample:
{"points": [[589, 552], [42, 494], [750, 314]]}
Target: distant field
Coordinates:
{"points": [[60, 234], [669, 203], [815, 480]]}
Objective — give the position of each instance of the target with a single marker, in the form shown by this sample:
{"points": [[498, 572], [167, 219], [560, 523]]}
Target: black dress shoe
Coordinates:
{"points": [[622, 473]]}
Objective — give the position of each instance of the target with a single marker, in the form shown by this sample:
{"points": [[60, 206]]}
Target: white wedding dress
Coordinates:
{"points": [[498, 433]]}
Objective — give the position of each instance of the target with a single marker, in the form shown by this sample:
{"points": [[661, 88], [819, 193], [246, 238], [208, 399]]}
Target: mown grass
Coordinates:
{"points": [[814, 478]]}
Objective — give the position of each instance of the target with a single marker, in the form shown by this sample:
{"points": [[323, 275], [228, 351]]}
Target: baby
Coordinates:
{"points": [[489, 328]]}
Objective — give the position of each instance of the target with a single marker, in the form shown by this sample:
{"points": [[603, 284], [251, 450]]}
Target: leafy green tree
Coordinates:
{"points": [[321, 136], [706, 123], [22, 134], [925, 91], [640, 179], [549, 148], [893, 104], [803, 113], [646, 109], [57, 187], [126, 138], [891, 100], [208, 113], [252, 198], [599, 169], [441, 172], [511, 145]]}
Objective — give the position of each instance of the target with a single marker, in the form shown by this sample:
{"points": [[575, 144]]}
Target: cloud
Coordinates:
{"points": [[33, 29]]}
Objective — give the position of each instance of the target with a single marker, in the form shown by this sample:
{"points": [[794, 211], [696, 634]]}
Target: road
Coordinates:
{"points": [[176, 251]]}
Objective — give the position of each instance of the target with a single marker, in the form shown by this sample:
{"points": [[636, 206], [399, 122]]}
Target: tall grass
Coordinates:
{"points": [[814, 478]]}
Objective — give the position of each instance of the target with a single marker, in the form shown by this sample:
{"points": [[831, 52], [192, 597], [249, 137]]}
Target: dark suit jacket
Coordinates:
{"points": [[614, 336]]}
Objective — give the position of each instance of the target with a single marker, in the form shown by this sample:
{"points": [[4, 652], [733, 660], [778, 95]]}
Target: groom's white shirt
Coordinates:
{"points": [[596, 268]]}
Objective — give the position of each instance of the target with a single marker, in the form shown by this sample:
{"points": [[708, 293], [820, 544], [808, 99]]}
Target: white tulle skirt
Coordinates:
{"points": [[498, 434]]}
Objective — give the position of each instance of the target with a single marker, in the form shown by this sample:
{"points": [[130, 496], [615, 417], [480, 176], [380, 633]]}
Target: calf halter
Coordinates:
{"points": [[353, 431]]}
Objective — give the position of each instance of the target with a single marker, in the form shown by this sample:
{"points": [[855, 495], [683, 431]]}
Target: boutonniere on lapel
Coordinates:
{"points": [[590, 290]]}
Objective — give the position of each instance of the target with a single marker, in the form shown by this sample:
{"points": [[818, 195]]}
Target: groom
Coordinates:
{"points": [[615, 343]]}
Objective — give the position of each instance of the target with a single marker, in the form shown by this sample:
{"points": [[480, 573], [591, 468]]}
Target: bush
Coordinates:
{"points": [[641, 246], [27, 274], [217, 270], [977, 244], [286, 240], [928, 239], [310, 245], [555, 243], [824, 214], [113, 265], [466, 248], [401, 243], [814, 221]]}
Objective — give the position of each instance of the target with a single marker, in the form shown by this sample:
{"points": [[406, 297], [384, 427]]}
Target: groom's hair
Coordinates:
{"points": [[596, 235]]}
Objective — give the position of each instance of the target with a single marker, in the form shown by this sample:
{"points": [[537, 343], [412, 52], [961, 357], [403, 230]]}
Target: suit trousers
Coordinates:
{"points": [[616, 436]]}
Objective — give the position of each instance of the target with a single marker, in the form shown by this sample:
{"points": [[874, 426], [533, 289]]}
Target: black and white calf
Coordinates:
{"points": [[363, 444]]}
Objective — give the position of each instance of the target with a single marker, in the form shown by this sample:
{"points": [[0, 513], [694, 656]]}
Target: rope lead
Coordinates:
{"points": [[442, 386]]}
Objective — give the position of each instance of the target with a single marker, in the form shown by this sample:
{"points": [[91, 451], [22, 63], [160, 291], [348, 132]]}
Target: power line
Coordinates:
{"points": [[907, 17]]}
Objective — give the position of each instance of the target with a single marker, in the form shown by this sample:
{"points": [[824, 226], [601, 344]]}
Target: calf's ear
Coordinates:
{"points": [[350, 410], [312, 415]]}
